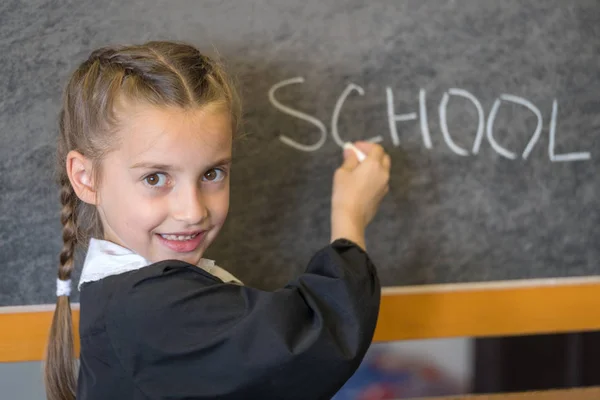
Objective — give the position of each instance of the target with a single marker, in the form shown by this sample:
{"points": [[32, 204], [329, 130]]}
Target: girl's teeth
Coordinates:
{"points": [[179, 237]]}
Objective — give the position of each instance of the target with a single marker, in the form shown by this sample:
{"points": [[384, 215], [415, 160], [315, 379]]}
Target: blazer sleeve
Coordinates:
{"points": [[182, 334]]}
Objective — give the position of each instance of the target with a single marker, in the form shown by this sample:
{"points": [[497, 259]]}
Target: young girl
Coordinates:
{"points": [[144, 157]]}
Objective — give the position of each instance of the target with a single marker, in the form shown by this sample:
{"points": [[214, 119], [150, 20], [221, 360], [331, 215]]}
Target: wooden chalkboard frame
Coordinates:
{"points": [[420, 312]]}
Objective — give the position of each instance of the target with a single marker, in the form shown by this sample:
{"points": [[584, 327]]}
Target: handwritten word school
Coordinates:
{"points": [[483, 127]]}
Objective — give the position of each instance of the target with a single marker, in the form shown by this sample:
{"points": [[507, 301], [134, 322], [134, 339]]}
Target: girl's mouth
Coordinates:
{"points": [[179, 237], [182, 243]]}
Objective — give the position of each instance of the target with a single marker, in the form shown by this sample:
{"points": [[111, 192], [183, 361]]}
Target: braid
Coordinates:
{"points": [[60, 368], [68, 219], [154, 66], [130, 61], [112, 57]]}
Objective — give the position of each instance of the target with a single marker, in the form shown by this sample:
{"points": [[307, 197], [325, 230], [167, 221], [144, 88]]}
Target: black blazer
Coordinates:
{"points": [[170, 330]]}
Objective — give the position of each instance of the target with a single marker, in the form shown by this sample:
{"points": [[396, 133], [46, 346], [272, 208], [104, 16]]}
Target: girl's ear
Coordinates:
{"points": [[79, 169]]}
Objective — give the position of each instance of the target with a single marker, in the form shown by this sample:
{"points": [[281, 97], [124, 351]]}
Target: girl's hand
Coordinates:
{"points": [[358, 189]]}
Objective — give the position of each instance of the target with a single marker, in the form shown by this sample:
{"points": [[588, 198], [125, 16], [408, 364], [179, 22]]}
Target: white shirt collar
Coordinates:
{"points": [[106, 258]]}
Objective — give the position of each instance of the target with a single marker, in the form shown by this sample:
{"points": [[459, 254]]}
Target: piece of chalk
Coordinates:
{"points": [[359, 154]]}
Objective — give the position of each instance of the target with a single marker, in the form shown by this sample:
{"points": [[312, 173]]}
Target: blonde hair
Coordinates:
{"points": [[158, 73]]}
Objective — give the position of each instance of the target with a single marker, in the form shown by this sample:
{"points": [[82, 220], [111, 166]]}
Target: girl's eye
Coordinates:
{"points": [[214, 175], [156, 180]]}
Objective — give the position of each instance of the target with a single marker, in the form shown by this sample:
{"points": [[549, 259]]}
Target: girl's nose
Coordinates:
{"points": [[188, 206]]}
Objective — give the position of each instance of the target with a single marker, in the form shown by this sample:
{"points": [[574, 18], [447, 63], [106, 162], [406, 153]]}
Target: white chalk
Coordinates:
{"points": [[359, 154]]}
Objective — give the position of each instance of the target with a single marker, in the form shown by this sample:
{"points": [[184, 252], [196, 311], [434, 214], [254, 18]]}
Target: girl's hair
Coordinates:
{"points": [[156, 73]]}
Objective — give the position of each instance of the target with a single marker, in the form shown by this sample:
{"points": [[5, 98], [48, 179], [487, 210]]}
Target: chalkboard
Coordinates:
{"points": [[489, 110]]}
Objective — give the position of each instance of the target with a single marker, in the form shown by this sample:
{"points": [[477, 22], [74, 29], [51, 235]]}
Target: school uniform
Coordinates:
{"points": [[173, 330]]}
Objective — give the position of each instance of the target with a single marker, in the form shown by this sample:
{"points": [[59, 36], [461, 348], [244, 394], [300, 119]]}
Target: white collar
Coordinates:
{"points": [[106, 258]]}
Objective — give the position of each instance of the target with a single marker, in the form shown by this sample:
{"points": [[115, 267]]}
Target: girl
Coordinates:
{"points": [[144, 157]]}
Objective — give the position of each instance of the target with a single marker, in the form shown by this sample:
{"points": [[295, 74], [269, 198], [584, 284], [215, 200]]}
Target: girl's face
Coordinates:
{"points": [[165, 191]]}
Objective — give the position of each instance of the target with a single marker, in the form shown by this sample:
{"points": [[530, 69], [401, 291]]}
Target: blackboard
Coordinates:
{"points": [[489, 110]]}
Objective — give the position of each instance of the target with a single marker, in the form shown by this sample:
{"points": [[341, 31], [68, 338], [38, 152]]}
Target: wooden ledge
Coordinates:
{"points": [[420, 312], [490, 309], [569, 394]]}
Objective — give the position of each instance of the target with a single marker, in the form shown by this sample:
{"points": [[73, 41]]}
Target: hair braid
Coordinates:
{"points": [[60, 368]]}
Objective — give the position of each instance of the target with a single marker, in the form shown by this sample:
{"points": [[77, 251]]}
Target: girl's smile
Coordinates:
{"points": [[182, 242]]}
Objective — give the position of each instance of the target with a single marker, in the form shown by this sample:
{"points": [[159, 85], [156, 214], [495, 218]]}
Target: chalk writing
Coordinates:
{"points": [[297, 114], [423, 118], [561, 157], [483, 126], [393, 118], [336, 114], [492, 117]]}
